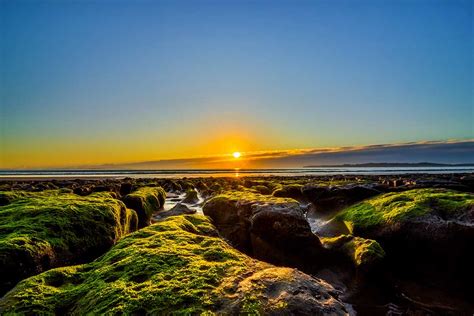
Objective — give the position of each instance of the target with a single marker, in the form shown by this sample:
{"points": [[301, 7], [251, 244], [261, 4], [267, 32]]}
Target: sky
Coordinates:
{"points": [[116, 82]]}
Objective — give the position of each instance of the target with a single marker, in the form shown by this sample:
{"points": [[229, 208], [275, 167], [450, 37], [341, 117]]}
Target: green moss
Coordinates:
{"points": [[7, 197], [46, 229], [401, 206], [261, 189], [365, 251], [250, 196], [362, 252], [289, 190], [145, 201], [176, 266]]}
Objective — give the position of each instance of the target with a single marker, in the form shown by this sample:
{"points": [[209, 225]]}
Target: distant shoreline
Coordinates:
{"points": [[391, 165]]}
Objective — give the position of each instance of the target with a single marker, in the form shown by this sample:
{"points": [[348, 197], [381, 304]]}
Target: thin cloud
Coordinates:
{"points": [[449, 151]]}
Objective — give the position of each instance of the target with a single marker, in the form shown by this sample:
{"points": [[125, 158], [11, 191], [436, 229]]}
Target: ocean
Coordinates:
{"points": [[95, 173]]}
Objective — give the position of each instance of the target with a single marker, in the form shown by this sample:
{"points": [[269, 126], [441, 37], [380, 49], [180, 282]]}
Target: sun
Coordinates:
{"points": [[236, 155]]}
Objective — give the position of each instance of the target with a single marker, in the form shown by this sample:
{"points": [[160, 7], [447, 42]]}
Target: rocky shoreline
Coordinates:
{"points": [[304, 245]]}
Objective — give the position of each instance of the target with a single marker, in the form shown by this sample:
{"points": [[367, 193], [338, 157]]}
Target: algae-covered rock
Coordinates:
{"points": [[176, 266], [49, 229], [266, 227], [330, 199], [363, 253], [293, 191], [428, 205], [426, 233], [261, 189], [191, 197], [145, 201]]}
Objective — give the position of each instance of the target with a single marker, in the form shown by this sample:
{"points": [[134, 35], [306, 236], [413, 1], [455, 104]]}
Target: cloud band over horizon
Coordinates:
{"points": [[450, 151]]}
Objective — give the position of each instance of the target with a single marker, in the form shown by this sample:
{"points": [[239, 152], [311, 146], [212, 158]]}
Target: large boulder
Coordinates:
{"points": [[426, 233], [268, 228], [145, 201], [177, 266], [48, 229]]}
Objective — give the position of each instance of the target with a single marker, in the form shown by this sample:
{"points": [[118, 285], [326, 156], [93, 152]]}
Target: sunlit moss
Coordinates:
{"points": [[400, 206], [289, 190], [145, 201], [39, 230], [261, 189], [177, 266], [362, 252], [248, 196]]}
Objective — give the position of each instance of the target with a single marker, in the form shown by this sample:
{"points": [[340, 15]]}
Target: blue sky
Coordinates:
{"points": [[120, 81]]}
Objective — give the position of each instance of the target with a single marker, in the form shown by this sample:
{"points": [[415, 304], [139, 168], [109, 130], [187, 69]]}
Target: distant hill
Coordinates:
{"points": [[391, 165]]}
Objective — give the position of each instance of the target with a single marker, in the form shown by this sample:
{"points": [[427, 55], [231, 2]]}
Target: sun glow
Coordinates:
{"points": [[236, 155]]}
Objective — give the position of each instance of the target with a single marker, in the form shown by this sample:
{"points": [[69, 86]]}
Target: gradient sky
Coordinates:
{"points": [[93, 82]]}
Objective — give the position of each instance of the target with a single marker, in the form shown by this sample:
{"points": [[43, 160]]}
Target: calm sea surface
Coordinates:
{"points": [[226, 172]]}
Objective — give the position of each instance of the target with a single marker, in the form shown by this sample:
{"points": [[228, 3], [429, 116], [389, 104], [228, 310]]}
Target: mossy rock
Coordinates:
{"points": [[363, 253], [145, 201], [427, 234], [50, 228], [191, 197], [268, 228], [397, 207], [177, 266], [293, 191], [261, 189]]}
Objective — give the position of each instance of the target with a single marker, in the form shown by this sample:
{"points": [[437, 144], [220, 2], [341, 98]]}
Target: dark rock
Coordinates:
{"points": [[336, 198], [270, 229], [126, 188], [191, 197], [178, 209], [145, 201], [427, 233], [293, 191]]}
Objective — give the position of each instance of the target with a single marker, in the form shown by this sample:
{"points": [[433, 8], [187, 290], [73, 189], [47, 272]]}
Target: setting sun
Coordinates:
{"points": [[236, 155]]}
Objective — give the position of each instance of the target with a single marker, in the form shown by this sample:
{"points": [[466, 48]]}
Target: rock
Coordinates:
{"points": [[426, 233], [331, 199], [126, 188], [178, 209], [261, 189], [468, 181], [186, 185], [363, 253], [201, 186], [314, 192], [293, 191], [397, 183], [83, 191], [105, 188], [172, 186], [48, 229], [180, 266], [145, 201], [191, 197], [268, 228]]}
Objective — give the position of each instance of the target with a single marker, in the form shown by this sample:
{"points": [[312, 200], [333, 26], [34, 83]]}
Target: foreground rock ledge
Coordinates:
{"points": [[178, 265], [43, 230], [426, 233]]}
